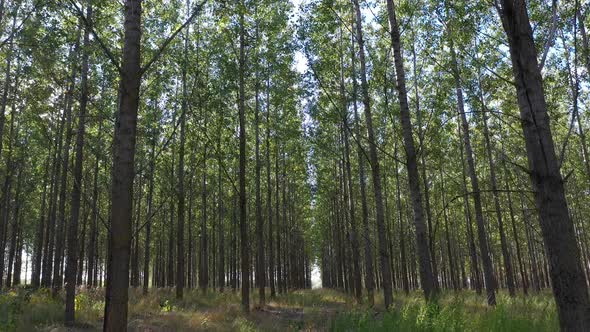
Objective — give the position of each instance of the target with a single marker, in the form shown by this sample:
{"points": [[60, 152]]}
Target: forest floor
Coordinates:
{"points": [[308, 310]]}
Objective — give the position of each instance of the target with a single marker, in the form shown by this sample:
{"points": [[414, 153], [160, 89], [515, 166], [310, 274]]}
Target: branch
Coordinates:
{"points": [[504, 157], [38, 5], [196, 10], [103, 46], [149, 218], [551, 38]]}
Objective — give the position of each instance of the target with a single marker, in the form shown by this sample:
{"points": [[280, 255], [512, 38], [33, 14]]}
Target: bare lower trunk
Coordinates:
{"points": [[123, 173]]}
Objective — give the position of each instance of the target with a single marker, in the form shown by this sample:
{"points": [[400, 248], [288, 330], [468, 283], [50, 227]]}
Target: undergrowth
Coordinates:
{"points": [[455, 312], [24, 309]]}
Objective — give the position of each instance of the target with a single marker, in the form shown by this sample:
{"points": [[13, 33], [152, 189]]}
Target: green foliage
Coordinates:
{"points": [[23, 310]]}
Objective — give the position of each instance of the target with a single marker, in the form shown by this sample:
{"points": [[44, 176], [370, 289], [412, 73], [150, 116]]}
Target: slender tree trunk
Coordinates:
{"points": [[221, 261], [81, 248], [452, 269], [61, 214], [368, 251], [467, 207], [426, 274], [39, 235], [269, 211], [348, 185], [523, 275], [488, 269], [422, 147], [260, 266], [56, 169], [244, 244], [204, 256], [402, 235], [180, 277], [496, 194], [72, 253], [277, 209], [93, 241], [376, 172], [14, 238]]}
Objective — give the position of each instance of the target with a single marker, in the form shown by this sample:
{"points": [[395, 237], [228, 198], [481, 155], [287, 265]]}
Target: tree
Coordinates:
{"points": [[544, 169], [72, 241], [426, 274]]}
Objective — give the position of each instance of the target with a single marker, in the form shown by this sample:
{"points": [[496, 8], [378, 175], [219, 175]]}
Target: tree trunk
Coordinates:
{"points": [[56, 169], [488, 269], [269, 211], [260, 267], [181, 194], [93, 241], [422, 147], [496, 194], [569, 285], [426, 274], [402, 235], [348, 186], [523, 274], [369, 277], [244, 244], [37, 255], [72, 251], [376, 172], [123, 172], [61, 214]]}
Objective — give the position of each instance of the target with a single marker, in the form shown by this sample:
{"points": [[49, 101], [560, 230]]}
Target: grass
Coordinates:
{"points": [[455, 312], [23, 309]]}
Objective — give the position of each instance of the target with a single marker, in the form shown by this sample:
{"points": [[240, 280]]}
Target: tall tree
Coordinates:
{"points": [[244, 245], [426, 274], [544, 168], [72, 241], [376, 172]]}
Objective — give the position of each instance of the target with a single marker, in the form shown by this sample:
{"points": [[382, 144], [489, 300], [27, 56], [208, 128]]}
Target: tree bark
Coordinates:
{"points": [[180, 277], [426, 274], [569, 285], [61, 214], [38, 253], [260, 266], [123, 172], [488, 269], [72, 251], [376, 172], [244, 244], [269, 211], [496, 194]]}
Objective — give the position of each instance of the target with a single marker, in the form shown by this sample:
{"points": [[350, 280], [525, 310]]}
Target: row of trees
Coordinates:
{"points": [[422, 113], [203, 181], [403, 168]]}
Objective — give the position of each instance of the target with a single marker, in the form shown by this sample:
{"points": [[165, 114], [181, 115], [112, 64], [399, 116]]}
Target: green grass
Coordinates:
{"points": [[22, 309], [455, 312]]}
